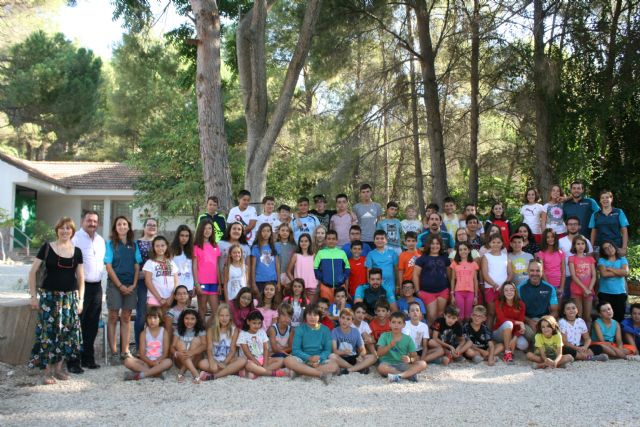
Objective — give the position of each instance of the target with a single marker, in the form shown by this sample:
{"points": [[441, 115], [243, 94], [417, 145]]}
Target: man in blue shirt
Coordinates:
{"points": [[434, 223], [539, 297], [580, 206], [370, 293]]}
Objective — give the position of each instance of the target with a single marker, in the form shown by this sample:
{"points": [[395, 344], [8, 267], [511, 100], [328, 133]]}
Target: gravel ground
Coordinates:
{"points": [[590, 393]]}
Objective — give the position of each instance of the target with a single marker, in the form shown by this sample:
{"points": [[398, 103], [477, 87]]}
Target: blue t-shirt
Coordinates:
{"points": [[447, 238], [123, 260], [608, 226], [307, 225], [403, 305], [433, 277], [265, 264], [537, 299], [360, 293], [334, 311], [608, 333], [628, 328], [351, 341], [612, 285], [392, 227], [365, 249], [387, 261], [583, 209]]}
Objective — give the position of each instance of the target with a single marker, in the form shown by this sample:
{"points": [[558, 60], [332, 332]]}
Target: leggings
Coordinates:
{"points": [[464, 301]]}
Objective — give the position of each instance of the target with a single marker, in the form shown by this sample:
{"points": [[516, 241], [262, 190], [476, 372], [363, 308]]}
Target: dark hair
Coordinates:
{"points": [[253, 315], [323, 300], [213, 199], [115, 239], [332, 233], [375, 270], [319, 197], [525, 225], [457, 258], [452, 310], [258, 241], [358, 305], [552, 323], [285, 308], [365, 186], [153, 312], [412, 303], [310, 249], [340, 290], [355, 227], [152, 252], [243, 193], [577, 182], [146, 221], [266, 199], [543, 243], [392, 204], [471, 218], [311, 309], [342, 196], [303, 295], [303, 199], [426, 249], [492, 215], [602, 252], [284, 208], [236, 300], [90, 212], [383, 303], [449, 199], [356, 243], [175, 292], [574, 218], [492, 237], [227, 233], [502, 299], [398, 315], [176, 248], [379, 233], [273, 304], [433, 206], [197, 328], [634, 306], [199, 240], [537, 196], [410, 235]]}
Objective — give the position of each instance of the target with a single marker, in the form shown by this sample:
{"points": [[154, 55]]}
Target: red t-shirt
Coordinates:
{"points": [[326, 321], [506, 312], [378, 329], [406, 261], [357, 275]]}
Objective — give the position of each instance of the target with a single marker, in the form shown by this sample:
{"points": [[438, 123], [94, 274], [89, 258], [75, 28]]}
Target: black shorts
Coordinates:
{"points": [[570, 351], [351, 360]]}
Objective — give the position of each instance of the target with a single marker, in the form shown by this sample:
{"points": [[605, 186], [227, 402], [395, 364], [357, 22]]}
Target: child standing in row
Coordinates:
{"points": [[519, 259], [411, 223], [264, 264], [245, 215], [235, 272], [583, 277], [301, 266], [531, 213], [464, 280], [285, 248], [357, 268], [392, 227], [383, 258], [205, 267], [331, 267], [497, 217], [160, 274], [496, 270], [407, 259], [182, 249], [552, 260], [342, 220]]}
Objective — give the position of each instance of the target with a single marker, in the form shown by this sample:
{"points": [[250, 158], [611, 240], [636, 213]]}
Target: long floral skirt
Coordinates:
{"points": [[58, 335]]}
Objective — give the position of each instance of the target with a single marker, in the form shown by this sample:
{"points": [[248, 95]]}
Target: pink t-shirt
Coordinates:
{"points": [[582, 266], [268, 315], [464, 275], [551, 266], [304, 270], [341, 224], [207, 258]]}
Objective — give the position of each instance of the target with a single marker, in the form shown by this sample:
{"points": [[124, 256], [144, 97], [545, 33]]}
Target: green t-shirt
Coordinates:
{"points": [[551, 345], [402, 347]]}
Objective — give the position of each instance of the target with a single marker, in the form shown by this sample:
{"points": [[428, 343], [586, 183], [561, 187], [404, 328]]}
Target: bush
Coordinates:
{"points": [[42, 232], [633, 256]]}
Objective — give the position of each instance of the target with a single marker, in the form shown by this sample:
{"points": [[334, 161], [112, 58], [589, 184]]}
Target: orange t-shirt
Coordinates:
{"points": [[378, 329], [406, 261], [357, 274], [464, 275]]}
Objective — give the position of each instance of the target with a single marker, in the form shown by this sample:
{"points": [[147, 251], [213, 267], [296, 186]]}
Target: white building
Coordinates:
{"points": [[47, 191]]}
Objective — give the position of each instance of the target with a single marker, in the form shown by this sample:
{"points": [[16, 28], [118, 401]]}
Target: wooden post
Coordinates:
{"points": [[17, 328]]}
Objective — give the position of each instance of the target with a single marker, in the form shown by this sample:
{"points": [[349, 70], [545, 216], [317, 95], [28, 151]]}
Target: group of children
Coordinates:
{"points": [[322, 292]]}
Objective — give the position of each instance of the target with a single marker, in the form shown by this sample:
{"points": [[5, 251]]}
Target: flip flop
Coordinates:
{"points": [[48, 380], [180, 378]]}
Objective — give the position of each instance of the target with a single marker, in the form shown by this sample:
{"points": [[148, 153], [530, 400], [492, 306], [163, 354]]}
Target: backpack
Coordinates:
{"points": [[41, 274]]}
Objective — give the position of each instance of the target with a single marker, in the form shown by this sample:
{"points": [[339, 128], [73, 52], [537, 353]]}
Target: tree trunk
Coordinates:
{"points": [[475, 109], [262, 134], [385, 121], [439, 187], [397, 180], [543, 171], [415, 127], [213, 142]]}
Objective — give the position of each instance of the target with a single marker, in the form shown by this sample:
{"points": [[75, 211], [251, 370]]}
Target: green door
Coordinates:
{"points": [[24, 214]]}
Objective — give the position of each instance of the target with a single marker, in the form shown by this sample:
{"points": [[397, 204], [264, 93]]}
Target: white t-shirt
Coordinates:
{"points": [[185, 270], [555, 220], [573, 332], [531, 216], [221, 348], [363, 328], [161, 276], [272, 220], [416, 332], [254, 341], [244, 217], [237, 281], [564, 245]]}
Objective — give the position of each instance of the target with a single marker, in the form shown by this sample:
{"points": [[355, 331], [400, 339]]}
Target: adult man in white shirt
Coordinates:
{"points": [[93, 250]]}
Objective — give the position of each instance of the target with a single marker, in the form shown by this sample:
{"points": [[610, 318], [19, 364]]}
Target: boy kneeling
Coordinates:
{"points": [[397, 353], [348, 346]]}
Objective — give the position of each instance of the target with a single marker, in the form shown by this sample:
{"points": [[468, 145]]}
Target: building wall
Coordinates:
{"points": [[10, 175]]}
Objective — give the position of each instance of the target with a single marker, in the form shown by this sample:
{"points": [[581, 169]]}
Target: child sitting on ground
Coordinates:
{"points": [[380, 323], [348, 347], [323, 305], [419, 332], [481, 338], [339, 304], [222, 336], [397, 353], [631, 327], [606, 333], [447, 333], [548, 346], [359, 322], [575, 336], [154, 360], [254, 343], [281, 333], [188, 343]]}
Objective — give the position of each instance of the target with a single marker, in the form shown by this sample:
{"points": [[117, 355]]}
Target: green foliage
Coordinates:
{"points": [[52, 84], [42, 232], [633, 256]]}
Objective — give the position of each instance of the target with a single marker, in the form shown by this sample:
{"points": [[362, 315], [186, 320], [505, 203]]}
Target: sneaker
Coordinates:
{"points": [[633, 357], [413, 378], [600, 358], [508, 357], [326, 377], [365, 371], [344, 371], [394, 378], [131, 376], [162, 376], [205, 376], [477, 359]]}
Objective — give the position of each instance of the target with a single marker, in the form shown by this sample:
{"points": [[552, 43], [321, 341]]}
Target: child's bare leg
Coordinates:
{"points": [[471, 353], [498, 348], [464, 347], [164, 365], [491, 314], [587, 304], [213, 303], [301, 368], [341, 362], [414, 369], [442, 304], [329, 367], [367, 361], [578, 303], [235, 366], [135, 365], [385, 369], [257, 369], [609, 350], [275, 363], [567, 358], [432, 312], [532, 357], [202, 306], [433, 353]]}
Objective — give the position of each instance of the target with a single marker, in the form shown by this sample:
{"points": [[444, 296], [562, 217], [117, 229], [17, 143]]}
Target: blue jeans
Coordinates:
{"points": [[141, 311]]}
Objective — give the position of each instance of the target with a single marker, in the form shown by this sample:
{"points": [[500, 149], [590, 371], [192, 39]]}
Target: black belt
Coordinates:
{"points": [[93, 283]]}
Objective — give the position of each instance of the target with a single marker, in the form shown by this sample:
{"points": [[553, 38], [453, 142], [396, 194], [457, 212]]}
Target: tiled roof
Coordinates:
{"points": [[80, 175]]}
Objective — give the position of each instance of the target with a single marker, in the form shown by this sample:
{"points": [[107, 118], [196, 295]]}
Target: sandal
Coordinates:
{"points": [[196, 380], [180, 378], [61, 376], [48, 380]]}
